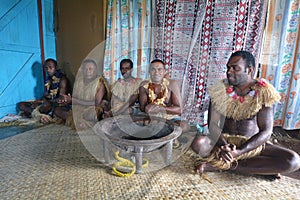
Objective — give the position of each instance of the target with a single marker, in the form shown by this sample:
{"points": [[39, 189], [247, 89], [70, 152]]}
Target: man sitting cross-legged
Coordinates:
{"points": [[56, 85], [241, 123], [91, 95]]}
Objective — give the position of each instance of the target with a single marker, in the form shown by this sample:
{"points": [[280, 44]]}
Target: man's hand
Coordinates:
{"points": [[107, 114], [153, 108], [64, 99], [228, 152]]}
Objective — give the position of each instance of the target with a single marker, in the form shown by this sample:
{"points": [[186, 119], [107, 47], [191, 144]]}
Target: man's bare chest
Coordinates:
{"points": [[246, 127]]}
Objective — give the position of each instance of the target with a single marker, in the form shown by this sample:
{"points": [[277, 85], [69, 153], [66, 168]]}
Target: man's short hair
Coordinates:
{"points": [[126, 60], [157, 60], [88, 60], [52, 60], [247, 57]]}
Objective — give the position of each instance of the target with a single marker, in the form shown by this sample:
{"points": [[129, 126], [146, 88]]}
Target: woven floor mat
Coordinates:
{"points": [[51, 163]]}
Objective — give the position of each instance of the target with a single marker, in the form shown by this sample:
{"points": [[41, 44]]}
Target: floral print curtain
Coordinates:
{"points": [[280, 60], [127, 36]]}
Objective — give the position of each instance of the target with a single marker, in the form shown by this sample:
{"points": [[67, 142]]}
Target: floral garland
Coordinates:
{"points": [[158, 99], [230, 91], [231, 105]]}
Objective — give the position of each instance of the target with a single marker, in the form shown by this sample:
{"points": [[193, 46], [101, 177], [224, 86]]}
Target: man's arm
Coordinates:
{"points": [[143, 97], [214, 124], [64, 90], [127, 105], [265, 125], [64, 86], [101, 90], [176, 100]]}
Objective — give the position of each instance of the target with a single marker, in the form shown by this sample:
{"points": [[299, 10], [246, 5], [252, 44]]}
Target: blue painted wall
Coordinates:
{"points": [[21, 76], [48, 29]]}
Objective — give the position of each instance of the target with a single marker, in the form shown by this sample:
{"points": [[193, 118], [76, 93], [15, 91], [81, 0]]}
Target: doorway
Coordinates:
{"points": [[79, 28]]}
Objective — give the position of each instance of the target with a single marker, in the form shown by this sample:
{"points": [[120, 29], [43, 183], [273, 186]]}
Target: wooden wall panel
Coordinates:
{"points": [[21, 78]]}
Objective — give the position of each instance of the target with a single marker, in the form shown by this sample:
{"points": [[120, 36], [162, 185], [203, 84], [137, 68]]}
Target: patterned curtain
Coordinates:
{"points": [[196, 38], [281, 60], [177, 24], [128, 35], [177, 42]]}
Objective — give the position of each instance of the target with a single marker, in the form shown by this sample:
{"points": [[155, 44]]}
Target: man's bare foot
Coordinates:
{"points": [[205, 167], [277, 176], [273, 177], [200, 168]]}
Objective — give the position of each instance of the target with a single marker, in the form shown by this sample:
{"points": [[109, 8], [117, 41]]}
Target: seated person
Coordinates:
{"points": [[56, 84], [124, 91], [241, 124], [90, 97], [160, 96]]}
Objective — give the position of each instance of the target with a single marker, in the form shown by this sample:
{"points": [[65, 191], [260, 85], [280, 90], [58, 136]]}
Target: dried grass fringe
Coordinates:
{"points": [[234, 109], [213, 159]]}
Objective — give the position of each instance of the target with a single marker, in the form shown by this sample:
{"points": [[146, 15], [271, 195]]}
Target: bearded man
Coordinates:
{"points": [[241, 124]]}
